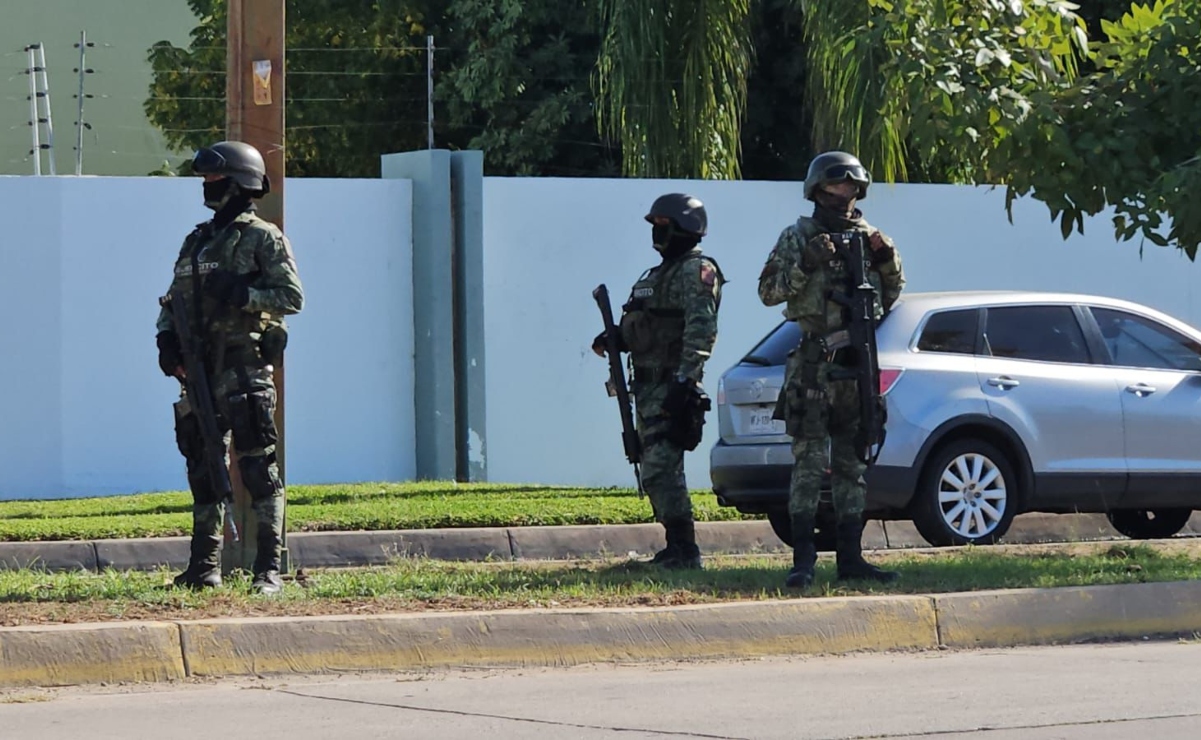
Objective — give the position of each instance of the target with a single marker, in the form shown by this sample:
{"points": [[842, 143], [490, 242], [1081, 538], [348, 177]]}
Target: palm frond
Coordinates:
{"points": [[671, 84], [846, 91]]}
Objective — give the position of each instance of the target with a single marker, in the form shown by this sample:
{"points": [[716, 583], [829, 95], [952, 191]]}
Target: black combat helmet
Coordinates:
{"points": [[685, 211], [836, 167], [237, 160]]}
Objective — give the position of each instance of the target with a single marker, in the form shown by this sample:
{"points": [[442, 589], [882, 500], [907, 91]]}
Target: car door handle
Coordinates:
{"points": [[1004, 382], [1140, 389]]}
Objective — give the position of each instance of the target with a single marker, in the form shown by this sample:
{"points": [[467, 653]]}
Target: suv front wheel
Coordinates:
{"points": [[967, 494]]}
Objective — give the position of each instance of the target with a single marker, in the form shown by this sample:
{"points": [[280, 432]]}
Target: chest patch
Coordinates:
{"points": [[645, 292]]}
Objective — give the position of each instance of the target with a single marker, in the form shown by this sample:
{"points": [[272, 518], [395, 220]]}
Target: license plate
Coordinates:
{"points": [[759, 421]]}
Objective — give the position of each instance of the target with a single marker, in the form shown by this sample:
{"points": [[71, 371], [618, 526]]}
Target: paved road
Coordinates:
{"points": [[1105, 692]]}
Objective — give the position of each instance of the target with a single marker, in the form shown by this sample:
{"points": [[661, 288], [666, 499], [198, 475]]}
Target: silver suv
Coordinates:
{"points": [[999, 403]]}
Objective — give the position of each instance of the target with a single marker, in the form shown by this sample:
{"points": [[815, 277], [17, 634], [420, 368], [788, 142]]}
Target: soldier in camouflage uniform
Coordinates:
{"points": [[238, 271], [802, 270], [669, 326]]}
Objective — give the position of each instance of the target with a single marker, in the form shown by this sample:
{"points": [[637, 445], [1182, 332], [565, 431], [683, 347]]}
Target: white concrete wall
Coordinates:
{"points": [[84, 409], [549, 242]]}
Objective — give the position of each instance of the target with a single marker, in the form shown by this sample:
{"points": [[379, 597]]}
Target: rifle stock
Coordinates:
{"points": [[617, 387], [200, 397], [859, 302]]}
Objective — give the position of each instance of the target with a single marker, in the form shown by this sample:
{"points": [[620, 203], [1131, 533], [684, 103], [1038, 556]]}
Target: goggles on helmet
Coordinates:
{"points": [[208, 162], [845, 172]]}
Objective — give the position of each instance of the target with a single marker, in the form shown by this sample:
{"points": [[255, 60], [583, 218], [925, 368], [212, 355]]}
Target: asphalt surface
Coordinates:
{"points": [[1100, 692]]}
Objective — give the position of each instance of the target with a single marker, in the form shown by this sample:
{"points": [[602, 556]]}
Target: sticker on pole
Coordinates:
{"points": [[262, 82]]}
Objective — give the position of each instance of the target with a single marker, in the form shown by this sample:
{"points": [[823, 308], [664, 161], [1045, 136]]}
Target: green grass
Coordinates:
{"points": [[366, 506], [419, 584]]}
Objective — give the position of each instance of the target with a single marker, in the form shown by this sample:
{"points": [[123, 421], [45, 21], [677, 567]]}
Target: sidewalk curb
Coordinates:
{"points": [[554, 637], [1049, 616], [70, 654], [346, 549], [168, 651]]}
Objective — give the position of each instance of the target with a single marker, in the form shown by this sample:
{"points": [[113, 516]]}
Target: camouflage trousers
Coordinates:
{"points": [[822, 415], [244, 397], [662, 459]]}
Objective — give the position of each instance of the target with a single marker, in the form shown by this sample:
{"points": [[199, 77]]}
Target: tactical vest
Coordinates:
{"points": [[811, 306], [202, 254], [652, 322]]}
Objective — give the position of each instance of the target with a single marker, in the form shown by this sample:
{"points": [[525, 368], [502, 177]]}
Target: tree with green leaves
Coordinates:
{"points": [[519, 87], [356, 83], [1025, 100], [512, 79], [1007, 92]]}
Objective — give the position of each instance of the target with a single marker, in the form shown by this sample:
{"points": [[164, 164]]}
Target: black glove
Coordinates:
{"points": [[816, 252], [881, 248], [679, 398], [600, 345], [170, 356], [228, 287], [882, 255]]}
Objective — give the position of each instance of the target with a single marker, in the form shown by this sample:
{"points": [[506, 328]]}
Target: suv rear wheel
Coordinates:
{"points": [[1149, 524], [967, 494], [781, 524]]}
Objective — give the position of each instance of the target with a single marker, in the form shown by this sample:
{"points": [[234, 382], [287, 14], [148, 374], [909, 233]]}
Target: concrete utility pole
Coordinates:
{"points": [[254, 113]]}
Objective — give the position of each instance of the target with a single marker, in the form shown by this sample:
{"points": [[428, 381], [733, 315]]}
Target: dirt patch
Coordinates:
{"points": [[46, 613]]}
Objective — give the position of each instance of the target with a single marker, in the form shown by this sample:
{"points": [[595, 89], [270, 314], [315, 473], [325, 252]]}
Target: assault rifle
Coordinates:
{"points": [[200, 397], [859, 307], [617, 387]]}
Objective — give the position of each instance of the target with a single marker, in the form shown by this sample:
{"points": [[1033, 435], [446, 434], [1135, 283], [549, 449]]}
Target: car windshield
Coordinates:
{"points": [[774, 348]]}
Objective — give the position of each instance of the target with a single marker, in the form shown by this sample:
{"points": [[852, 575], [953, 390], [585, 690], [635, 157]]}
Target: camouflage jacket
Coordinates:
{"points": [[247, 246], [669, 323], [806, 294]]}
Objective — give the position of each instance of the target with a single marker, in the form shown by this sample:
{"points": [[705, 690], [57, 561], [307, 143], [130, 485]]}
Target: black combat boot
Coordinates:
{"points": [[204, 564], [804, 553], [672, 551], [266, 562], [688, 555], [681, 552], [851, 565]]}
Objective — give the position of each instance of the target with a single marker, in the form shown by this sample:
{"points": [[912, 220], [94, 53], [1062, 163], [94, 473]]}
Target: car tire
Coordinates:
{"points": [[1149, 524], [967, 494], [825, 538]]}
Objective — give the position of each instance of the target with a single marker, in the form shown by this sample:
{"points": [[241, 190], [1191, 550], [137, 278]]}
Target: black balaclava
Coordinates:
{"points": [[672, 242], [835, 212], [227, 199]]}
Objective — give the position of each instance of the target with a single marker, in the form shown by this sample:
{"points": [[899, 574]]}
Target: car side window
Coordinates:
{"points": [[1135, 341], [949, 331], [1042, 333]]}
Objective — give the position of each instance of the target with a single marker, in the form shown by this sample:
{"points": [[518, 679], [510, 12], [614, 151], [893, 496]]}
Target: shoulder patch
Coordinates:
{"points": [[708, 273]]}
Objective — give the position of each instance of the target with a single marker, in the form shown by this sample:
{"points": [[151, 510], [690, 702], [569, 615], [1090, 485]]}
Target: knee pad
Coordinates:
{"points": [[252, 419], [259, 476]]}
